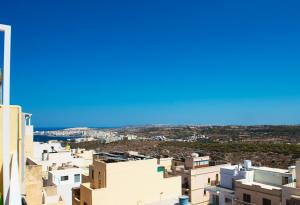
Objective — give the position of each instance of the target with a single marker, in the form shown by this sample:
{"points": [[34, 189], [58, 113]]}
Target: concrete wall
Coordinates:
{"points": [[131, 183], [33, 184], [15, 135], [199, 179], [229, 175], [190, 162], [50, 196], [288, 191], [165, 162], [269, 177], [97, 174], [64, 188], [28, 141], [257, 194], [38, 148], [298, 173], [58, 158]]}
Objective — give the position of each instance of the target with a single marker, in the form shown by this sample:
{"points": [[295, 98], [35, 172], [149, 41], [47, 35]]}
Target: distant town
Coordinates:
{"points": [[211, 165], [275, 146]]}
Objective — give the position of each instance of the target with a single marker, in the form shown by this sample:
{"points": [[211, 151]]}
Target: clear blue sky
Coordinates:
{"points": [[112, 63]]}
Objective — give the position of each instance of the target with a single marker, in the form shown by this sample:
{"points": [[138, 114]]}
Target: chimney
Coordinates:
{"points": [[298, 173]]}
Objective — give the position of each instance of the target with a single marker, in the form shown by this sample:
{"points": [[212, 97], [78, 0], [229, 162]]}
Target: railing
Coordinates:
{"points": [[214, 183], [240, 202]]}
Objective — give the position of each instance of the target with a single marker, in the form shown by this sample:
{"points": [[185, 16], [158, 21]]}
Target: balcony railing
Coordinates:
{"points": [[240, 202]]}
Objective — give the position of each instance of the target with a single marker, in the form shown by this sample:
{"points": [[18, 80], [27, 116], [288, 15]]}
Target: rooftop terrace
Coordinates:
{"points": [[263, 186], [269, 169], [113, 157]]}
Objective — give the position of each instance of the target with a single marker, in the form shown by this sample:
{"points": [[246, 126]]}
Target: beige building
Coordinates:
{"points": [[256, 193], [21, 137], [33, 183], [28, 128], [15, 135], [291, 191], [197, 175], [265, 188], [127, 179], [21, 142]]}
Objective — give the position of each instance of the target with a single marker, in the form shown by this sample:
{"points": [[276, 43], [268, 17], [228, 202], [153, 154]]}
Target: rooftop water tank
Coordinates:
{"points": [[247, 164], [195, 155], [184, 200], [291, 169]]}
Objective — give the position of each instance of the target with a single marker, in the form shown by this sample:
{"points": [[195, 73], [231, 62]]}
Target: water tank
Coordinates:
{"points": [[195, 155], [247, 164], [184, 200], [291, 169]]}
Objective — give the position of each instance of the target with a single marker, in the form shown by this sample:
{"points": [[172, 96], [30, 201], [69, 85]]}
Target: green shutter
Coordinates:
{"points": [[160, 169]]}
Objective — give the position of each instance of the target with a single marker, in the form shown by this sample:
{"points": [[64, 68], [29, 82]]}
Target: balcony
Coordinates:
{"points": [[240, 202]]}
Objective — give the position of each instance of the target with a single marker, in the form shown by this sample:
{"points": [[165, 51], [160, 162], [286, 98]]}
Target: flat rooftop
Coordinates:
{"points": [[112, 157], [67, 170], [264, 186], [218, 189], [231, 167], [291, 185], [269, 169], [165, 202]]}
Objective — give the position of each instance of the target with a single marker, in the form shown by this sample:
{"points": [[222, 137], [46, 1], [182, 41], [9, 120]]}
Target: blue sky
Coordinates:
{"points": [[112, 63]]}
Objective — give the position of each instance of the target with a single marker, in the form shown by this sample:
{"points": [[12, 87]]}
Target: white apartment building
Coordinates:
{"points": [[266, 186], [224, 193], [54, 155], [65, 179], [40, 148], [291, 191], [244, 184], [62, 170]]}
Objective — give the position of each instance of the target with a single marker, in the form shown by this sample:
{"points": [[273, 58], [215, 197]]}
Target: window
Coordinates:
{"points": [[84, 203], [99, 179], [208, 180], [233, 184], [227, 200], [247, 198], [285, 180], [64, 178], [217, 178], [160, 169], [204, 192], [77, 178], [216, 200], [92, 174], [204, 162], [266, 201]]}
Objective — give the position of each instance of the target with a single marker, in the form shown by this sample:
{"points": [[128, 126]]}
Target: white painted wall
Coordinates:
{"points": [[39, 147], [268, 177], [64, 188], [232, 173]]}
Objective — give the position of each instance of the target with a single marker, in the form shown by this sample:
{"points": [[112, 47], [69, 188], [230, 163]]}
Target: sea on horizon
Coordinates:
{"points": [[45, 138]]}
